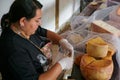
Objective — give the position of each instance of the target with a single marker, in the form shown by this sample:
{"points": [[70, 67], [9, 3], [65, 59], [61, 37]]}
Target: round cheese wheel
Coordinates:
{"points": [[97, 48], [78, 59], [96, 69]]}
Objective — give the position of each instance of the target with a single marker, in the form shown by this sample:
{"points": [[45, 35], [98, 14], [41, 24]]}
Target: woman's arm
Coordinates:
{"points": [[53, 36], [51, 74], [65, 63]]}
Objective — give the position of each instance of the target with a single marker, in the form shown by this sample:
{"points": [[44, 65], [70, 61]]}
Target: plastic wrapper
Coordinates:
{"points": [[82, 21], [113, 2], [74, 37], [82, 30], [56, 56], [113, 23], [46, 50], [113, 16], [102, 14], [114, 41], [90, 8], [78, 21], [114, 19], [79, 47]]}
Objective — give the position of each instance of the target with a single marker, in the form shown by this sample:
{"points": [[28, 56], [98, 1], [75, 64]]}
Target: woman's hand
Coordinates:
{"points": [[66, 63], [66, 47]]}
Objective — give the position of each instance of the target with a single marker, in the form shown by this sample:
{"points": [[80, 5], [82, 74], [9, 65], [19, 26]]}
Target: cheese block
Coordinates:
{"points": [[103, 27], [86, 59], [97, 47], [96, 69], [78, 59], [75, 38]]}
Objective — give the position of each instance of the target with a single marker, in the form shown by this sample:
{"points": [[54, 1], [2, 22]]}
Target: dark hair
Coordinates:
{"points": [[4, 21], [19, 9]]}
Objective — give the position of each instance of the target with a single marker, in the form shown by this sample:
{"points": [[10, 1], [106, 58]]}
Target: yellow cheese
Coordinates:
{"points": [[75, 38], [97, 48], [97, 40], [103, 27], [95, 69]]}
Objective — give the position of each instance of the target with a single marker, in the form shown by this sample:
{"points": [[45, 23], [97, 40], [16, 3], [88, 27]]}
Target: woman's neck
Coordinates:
{"points": [[17, 30]]}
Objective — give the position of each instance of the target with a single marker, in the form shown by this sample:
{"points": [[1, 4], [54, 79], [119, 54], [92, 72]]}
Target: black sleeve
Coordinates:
{"points": [[41, 31], [21, 64]]}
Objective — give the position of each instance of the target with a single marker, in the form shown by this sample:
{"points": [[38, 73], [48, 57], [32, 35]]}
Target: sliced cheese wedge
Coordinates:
{"points": [[103, 27]]}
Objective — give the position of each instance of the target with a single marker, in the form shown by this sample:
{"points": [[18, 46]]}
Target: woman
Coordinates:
{"points": [[21, 40]]}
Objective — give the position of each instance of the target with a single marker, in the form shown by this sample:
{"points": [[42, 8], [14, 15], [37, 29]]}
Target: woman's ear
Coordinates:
{"points": [[22, 21], [118, 11]]}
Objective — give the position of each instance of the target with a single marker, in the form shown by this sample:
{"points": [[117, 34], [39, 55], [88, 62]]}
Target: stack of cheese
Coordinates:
{"points": [[97, 63]]}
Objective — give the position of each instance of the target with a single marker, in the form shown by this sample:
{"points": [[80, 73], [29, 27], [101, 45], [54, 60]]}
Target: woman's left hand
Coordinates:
{"points": [[67, 48]]}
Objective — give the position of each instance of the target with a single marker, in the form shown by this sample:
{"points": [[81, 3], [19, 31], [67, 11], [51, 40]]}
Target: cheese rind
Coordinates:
{"points": [[93, 69], [97, 48]]}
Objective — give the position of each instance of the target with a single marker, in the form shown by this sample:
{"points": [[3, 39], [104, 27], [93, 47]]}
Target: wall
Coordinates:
{"points": [[4, 6], [48, 15], [66, 9]]}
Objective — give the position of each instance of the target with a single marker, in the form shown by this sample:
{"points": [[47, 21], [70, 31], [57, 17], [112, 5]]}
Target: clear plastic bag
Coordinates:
{"points": [[74, 37], [113, 16], [112, 2], [80, 47], [102, 14], [115, 41], [78, 21], [114, 19]]}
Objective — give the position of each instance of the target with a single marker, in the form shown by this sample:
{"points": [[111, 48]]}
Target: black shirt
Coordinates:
{"points": [[21, 60]]}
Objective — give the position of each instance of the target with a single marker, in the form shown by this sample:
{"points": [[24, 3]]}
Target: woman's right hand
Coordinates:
{"points": [[66, 63]]}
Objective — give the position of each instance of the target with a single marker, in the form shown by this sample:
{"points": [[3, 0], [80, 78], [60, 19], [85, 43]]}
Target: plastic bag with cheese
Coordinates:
{"points": [[114, 41], [101, 14], [114, 18], [77, 21], [74, 37]]}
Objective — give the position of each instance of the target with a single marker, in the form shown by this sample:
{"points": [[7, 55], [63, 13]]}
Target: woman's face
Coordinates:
{"points": [[30, 26]]}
